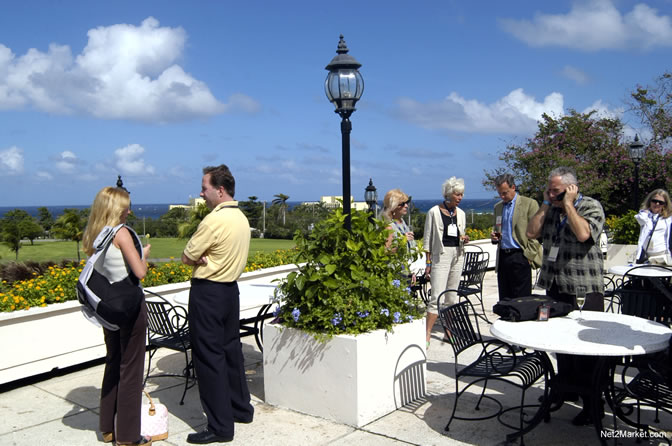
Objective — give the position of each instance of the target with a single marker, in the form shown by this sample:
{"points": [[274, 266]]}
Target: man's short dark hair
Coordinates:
{"points": [[220, 176], [505, 178]]}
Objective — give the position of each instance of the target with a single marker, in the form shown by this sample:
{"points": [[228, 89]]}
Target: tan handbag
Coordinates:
{"points": [[154, 422]]}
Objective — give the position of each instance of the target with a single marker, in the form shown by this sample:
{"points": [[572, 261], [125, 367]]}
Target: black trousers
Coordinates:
{"points": [[214, 315], [575, 371], [514, 275], [121, 393]]}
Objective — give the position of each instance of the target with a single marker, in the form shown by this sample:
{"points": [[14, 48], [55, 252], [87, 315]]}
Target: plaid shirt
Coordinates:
{"points": [[577, 263]]}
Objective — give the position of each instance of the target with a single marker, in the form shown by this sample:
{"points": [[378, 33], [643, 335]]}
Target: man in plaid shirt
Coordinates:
{"points": [[569, 225]]}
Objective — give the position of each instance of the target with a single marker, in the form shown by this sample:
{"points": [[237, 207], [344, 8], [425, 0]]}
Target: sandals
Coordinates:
{"points": [[108, 437]]}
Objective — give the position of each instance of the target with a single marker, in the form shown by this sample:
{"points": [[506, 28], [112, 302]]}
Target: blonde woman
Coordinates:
{"points": [[655, 236], [445, 235], [125, 360], [395, 207]]}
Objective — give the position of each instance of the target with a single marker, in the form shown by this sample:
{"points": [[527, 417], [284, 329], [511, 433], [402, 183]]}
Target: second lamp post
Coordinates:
{"points": [[636, 150], [344, 87]]}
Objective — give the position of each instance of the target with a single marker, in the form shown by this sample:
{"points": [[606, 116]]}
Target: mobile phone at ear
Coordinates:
{"points": [[560, 197]]}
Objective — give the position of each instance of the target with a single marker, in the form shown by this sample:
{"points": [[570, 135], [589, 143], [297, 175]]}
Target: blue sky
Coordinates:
{"points": [[156, 90]]}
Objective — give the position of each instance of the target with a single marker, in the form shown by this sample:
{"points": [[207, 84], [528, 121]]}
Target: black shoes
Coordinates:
{"points": [[242, 420], [207, 437], [585, 417]]}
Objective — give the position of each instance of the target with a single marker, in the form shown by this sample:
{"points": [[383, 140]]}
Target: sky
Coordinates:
{"points": [[155, 90]]}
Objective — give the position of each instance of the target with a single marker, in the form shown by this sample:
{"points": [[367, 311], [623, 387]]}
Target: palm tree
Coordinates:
{"points": [[70, 226], [196, 215], [281, 200]]}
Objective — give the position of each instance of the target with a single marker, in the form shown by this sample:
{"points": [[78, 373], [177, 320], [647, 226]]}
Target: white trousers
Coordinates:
{"points": [[445, 275]]}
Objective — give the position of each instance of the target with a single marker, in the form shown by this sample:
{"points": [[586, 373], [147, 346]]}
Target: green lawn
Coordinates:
{"points": [[162, 248]]}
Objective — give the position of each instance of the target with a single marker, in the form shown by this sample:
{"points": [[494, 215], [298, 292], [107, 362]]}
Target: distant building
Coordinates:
{"points": [[193, 202], [332, 202]]}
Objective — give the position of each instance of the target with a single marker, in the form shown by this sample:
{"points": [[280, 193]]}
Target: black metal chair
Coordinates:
{"points": [[612, 301], [473, 271], [644, 296], [167, 326], [421, 287], [497, 361]]}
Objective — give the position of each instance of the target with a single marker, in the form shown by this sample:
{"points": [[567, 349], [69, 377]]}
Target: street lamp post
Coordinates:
{"points": [[636, 149], [344, 86], [371, 197]]}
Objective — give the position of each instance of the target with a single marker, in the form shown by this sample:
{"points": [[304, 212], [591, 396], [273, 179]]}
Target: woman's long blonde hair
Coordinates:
{"points": [[666, 210], [108, 207], [392, 200]]}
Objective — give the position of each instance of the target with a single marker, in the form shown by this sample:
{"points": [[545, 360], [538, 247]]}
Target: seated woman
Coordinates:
{"points": [[655, 236]]}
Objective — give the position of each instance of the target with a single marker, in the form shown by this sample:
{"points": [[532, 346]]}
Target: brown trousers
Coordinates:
{"points": [[121, 394]]}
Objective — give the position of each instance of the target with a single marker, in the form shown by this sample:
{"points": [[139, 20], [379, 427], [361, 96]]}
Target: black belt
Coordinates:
{"points": [[510, 251]]}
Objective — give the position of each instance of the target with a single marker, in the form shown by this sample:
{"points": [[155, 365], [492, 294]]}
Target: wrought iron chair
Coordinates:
{"points": [[473, 271], [497, 361], [421, 287], [612, 301], [644, 296], [167, 326]]}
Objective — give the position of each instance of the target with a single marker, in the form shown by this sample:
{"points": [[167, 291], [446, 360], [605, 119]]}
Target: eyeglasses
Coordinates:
{"points": [[657, 202], [405, 203]]}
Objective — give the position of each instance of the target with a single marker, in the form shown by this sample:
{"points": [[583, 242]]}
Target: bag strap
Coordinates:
{"points": [[646, 248], [152, 409]]}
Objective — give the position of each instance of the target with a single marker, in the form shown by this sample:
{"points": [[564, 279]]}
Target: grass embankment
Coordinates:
{"points": [[162, 248]]}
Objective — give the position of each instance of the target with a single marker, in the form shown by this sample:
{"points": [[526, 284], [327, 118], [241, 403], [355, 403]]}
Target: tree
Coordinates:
{"points": [[16, 225], [196, 215], [653, 104], [594, 149], [45, 219], [281, 200], [70, 226], [252, 210]]}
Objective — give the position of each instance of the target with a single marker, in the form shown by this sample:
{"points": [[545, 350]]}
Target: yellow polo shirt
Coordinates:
{"points": [[224, 237]]}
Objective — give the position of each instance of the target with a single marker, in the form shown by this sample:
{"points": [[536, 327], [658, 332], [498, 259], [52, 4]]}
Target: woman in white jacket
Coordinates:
{"points": [[444, 246], [655, 219]]}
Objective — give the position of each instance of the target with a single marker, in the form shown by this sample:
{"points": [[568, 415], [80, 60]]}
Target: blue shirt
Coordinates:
{"points": [[507, 225]]}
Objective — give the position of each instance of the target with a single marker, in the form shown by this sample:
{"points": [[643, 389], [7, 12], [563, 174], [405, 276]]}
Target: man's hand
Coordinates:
{"points": [[571, 193]]}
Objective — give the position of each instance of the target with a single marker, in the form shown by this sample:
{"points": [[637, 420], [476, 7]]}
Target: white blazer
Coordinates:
{"points": [[433, 239]]}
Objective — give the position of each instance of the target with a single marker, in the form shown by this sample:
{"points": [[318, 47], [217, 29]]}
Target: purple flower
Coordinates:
{"points": [[409, 318], [408, 290], [336, 319], [295, 314], [397, 317], [362, 313], [396, 282], [277, 311], [385, 311]]}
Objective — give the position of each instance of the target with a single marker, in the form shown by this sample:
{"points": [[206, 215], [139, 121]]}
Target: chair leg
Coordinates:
{"points": [[452, 414], [484, 316], [187, 375], [151, 352]]}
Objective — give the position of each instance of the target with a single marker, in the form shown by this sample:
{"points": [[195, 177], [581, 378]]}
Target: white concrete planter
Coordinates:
{"points": [[348, 379], [619, 255]]}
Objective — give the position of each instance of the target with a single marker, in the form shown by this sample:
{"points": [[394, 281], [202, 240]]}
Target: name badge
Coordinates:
{"points": [[498, 220], [553, 253], [452, 231]]}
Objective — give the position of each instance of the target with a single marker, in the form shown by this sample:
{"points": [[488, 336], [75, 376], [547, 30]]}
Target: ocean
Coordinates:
{"points": [[154, 211]]}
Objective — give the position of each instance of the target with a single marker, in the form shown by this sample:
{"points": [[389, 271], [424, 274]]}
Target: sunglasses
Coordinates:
{"points": [[658, 202], [401, 205]]}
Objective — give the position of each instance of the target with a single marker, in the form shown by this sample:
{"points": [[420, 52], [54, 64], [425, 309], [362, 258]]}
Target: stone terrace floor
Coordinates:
{"points": [[63, 410]]}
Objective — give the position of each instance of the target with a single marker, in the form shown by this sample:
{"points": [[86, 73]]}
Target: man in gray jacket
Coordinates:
{"points": [[516, 254]]}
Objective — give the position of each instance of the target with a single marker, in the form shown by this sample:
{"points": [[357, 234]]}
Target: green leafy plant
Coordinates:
{"points": [[348, 282], [625, 229]]}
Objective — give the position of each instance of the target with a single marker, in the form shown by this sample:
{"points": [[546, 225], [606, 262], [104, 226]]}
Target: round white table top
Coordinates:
{"points": [[640, 270], [251, 295], [596, 334]]}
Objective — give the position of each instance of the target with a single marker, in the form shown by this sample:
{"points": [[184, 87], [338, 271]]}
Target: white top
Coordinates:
{"points": [[641, 271], [111, 264], [598, 334]]}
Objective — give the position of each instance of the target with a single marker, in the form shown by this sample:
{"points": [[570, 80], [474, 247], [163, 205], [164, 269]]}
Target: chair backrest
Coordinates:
{"points": [[474, 268], [163, 318], [458, 324], [646, 297]]}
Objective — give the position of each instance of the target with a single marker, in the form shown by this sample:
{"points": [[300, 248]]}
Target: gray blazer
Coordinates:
{"points": [[433, 240]]}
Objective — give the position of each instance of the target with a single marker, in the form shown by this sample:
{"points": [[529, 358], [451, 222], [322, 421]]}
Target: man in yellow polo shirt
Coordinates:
{"points": [[218, 252]]}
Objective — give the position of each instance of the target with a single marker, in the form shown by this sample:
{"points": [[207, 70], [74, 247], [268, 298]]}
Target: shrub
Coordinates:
{"points": [[57, 283], [350, 282], [625, 229]]}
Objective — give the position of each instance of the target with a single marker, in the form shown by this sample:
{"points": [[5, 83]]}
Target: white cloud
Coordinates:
{"points": [[604, 111], [516, 112], [124, 72], [66, 162], [575, 74], [595, 25], [129, 161], [11, 161], [43, 175]]}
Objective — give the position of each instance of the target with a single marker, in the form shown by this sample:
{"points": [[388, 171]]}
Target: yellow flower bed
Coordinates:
{"points": [[58, 283]]}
